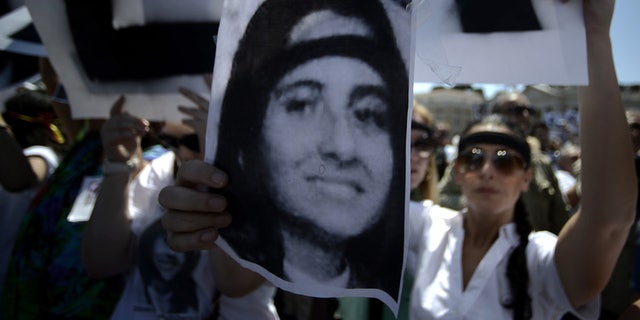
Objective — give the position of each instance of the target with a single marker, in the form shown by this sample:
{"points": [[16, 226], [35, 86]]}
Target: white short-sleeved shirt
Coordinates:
{"points": [[438, 293]]}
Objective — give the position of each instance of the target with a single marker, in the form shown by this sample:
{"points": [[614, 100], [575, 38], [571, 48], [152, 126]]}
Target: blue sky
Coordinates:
{"points": [[625, 36]]}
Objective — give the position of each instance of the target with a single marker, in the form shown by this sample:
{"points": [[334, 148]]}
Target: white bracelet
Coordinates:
{"points": [[128, 167]]}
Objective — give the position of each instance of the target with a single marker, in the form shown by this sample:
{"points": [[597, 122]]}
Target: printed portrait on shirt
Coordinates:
{"points": [[167, 276]]}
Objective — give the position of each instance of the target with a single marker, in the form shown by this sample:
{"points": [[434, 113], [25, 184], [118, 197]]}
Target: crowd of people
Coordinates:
{"points": [[498, 227]]}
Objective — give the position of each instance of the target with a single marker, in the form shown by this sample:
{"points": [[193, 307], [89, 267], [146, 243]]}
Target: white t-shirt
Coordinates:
{"points": [[438, 294], [147, 295]]}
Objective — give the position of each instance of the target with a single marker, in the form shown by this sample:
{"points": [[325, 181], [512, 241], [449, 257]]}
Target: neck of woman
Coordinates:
{"points": [[480, 232], [308, 257], [482, 229]]}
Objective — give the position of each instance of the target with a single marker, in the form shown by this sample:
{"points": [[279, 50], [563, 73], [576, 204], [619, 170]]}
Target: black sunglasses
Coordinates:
{"points": [[504, 161], [423, 146], [519, 110]]}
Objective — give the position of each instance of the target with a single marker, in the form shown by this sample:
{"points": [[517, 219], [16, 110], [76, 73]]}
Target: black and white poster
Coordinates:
{"points": [[308, 117]]}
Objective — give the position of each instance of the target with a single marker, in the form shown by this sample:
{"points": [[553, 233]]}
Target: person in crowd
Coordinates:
{"points": [[160, 284], [540, 131], [317, 142], [632, 312], [622, 289], [31, 122], [567, 157], [31, 145], [484, 262], [543, 199], [45, 278], [423, 184], [424, 172], [444, 150]]}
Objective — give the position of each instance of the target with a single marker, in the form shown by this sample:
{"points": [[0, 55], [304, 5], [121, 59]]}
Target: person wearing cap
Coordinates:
{"points": [[31, 148], [544, 200]]}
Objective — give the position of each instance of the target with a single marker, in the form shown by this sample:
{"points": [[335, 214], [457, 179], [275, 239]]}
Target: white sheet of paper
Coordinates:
{"points": [[555, 55], [152, 100], [13, 22]]}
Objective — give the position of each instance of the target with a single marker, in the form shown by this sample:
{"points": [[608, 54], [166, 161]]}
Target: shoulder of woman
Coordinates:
{"points": [[444, 212], [542, 241], [44, 152], [428, 209]]}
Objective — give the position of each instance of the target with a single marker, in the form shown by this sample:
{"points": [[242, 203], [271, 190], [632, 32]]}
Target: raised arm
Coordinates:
{"points": [[107, 240], [197, 115], [594, 236], [192, 221]]}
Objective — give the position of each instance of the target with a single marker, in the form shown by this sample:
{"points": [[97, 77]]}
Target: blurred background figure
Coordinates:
{"points": [[540, 131], [567, 157], [45, 278], [445, 151], [624, 285], [31, 145], [424, 179]]}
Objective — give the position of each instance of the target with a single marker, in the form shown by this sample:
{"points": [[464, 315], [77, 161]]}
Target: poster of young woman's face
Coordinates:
{"points": [[309, 116]]}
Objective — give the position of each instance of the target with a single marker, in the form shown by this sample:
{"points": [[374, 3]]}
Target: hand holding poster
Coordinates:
{"points": [[309, 119]]}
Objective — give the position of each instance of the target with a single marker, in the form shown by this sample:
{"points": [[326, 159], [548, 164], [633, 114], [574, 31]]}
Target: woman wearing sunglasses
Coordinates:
{"points": [[483, 262], [486, 252]]}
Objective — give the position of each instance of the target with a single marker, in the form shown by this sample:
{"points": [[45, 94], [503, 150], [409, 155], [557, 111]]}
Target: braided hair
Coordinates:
{"points": [[517, 271]]}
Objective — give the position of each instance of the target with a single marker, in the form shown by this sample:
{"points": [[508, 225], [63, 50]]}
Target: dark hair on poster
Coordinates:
{"points": [[262, 60]]}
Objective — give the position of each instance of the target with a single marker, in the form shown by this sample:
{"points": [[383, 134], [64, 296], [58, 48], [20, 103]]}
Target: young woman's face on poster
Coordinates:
{"points": [[167, 261], [327, 144]]}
